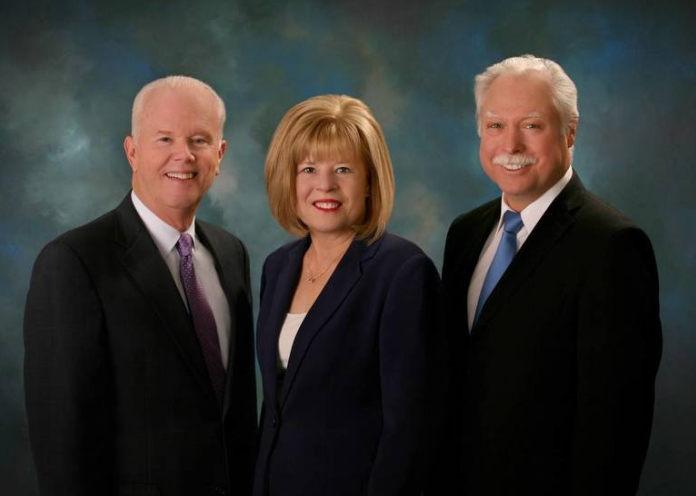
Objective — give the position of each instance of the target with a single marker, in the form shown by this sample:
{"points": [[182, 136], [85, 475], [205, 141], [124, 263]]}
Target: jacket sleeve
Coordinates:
{"points": [[446, 467], [66, 373], [411, 379], [619, 346]]}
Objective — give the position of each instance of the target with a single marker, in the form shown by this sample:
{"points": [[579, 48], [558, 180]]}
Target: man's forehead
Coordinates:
{"points": [[170, 104], [180, 93]]}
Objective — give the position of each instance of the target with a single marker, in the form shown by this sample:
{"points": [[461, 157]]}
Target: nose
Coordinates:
{"points": [[326, 180], [513, 141], [182, 151]]}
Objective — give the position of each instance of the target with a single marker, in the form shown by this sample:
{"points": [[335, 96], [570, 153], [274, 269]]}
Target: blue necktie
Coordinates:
{"points": [[512, 223]]}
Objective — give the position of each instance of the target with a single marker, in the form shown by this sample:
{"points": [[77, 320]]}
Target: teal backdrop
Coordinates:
{"points": [[70, 69]]}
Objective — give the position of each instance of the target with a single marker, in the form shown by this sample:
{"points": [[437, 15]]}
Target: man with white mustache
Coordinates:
{"points": [[139, 368], [553, 307]]}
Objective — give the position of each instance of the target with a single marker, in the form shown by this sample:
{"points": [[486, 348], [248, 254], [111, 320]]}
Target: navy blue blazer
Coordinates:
{"points": [[353, 414]]}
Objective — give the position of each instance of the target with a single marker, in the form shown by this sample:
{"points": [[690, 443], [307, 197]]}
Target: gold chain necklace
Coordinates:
{"points": [[313, 277]]}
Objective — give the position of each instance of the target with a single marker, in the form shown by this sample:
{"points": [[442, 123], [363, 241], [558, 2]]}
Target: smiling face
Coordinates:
{"points": [[331, 195], [176, 152], [524, 148]]}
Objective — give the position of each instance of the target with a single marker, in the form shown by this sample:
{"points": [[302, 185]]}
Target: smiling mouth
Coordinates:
{"points": [[514, 162], [514, 167], [183, 176], [327, 205]]}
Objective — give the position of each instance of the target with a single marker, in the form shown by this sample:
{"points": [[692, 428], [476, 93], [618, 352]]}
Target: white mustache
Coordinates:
{"points": [[514, 161]]}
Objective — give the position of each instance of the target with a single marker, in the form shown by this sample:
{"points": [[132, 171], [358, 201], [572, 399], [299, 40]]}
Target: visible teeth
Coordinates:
{"points": [[326, 204], [513, 162], [180, 175], [514, 166]]}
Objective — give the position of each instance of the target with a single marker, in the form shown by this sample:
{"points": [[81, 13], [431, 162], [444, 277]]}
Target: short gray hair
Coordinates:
{"points": [[564, 94], [172, 82]]}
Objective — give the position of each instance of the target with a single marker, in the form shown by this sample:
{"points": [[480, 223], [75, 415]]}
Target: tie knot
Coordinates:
{"points": [[513, 222], [184, 245]]}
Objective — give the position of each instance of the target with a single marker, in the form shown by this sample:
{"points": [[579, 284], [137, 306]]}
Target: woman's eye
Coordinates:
{"points": [[343, 170], [307, 170]]}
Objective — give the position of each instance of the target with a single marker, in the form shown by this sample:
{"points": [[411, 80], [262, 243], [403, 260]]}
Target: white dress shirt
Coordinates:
{"points": [[166, 237], [530, 217]]}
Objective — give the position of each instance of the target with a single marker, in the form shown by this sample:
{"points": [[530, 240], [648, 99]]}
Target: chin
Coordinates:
{"points": [[333, 230]]}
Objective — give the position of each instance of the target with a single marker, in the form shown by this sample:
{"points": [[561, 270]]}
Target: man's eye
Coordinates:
{"points": [[164, 139], [494, 125], [532, 125], [200, 141]]}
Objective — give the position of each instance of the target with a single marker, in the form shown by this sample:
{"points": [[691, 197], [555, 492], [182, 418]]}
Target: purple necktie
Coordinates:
{"points": [[203, 319]]}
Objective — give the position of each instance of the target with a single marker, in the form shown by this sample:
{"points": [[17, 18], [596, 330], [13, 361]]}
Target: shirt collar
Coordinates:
{"points": [[533, 213], [164, 235]]}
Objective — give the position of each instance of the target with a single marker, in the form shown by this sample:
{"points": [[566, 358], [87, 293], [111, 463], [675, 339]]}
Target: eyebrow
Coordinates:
{"points": [[196, 133], [532, 114]]}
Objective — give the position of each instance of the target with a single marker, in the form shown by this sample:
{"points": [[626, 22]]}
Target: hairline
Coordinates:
{"points": [[521, 66], [298, 134], [172, 83]]}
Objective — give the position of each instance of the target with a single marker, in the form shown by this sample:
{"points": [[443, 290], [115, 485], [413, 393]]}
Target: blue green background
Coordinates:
{"points": [[69, 71]]}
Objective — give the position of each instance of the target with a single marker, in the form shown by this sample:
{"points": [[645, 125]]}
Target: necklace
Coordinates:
{"points": [[313, 277]]}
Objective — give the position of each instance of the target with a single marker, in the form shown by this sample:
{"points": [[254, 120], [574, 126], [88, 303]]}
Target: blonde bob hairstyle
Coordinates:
{"points": [[330, 127]]}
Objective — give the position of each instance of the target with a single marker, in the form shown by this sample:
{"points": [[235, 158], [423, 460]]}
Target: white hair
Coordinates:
{"points": [[564, 94], [172, 82]]}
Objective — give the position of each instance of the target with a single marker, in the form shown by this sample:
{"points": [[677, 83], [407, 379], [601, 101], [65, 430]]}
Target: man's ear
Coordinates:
{"points": [[221, 153], [571, 134], [129, 147]]}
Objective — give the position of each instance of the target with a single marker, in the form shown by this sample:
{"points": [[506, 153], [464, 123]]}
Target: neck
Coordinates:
{"points": [[180, 223], [516, 204], [329, 246], [179, 219]]}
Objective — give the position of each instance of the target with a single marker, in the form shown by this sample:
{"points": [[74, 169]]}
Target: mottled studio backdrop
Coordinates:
{"points": [[70, 69]]}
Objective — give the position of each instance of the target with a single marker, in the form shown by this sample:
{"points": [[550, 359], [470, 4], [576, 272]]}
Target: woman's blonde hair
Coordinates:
{"points": [[329, 127]]}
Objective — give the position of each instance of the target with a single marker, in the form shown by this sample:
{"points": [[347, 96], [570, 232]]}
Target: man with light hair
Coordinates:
{"points": [[139, 369], [554, 303]]}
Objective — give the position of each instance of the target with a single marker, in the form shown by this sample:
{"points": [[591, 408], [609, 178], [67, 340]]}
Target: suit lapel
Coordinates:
{"points": [[550, 229], [337, 288], [278, 307], [470, 256], [225, 270], [144, 263]]}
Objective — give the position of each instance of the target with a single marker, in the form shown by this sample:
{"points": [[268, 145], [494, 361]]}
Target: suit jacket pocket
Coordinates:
{"points": [[137, 489]]}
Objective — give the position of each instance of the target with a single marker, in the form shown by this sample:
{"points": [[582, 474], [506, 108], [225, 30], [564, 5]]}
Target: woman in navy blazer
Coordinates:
{"points": [[350, 337]]}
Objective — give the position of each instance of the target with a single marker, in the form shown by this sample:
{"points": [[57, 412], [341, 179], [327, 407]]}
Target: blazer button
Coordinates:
{"points": [[220, 490], [274, 422]]}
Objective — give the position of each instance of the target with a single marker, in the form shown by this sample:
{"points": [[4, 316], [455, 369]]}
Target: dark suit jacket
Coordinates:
{"points": [[353, 413], [559, 383], [118, 397]]}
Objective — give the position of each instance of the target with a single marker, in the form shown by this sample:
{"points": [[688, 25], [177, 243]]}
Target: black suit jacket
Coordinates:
{"points": [[118, 397], [560, 372], [354, 412]]}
